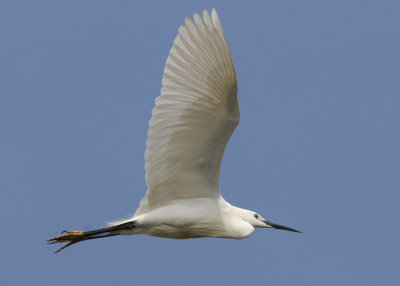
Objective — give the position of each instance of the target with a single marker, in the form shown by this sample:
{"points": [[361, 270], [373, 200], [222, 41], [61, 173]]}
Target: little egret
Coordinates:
{"points": [[191, 123]]}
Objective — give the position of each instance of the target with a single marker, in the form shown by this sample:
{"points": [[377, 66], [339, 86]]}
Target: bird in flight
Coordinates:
{"points": [[191, 123]]}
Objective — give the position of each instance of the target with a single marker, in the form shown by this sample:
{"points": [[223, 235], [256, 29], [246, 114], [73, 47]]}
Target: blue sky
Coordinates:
{"points": [[317, 147]]}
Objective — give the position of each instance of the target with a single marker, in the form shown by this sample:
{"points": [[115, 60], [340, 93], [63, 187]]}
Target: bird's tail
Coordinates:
{"points": [[118, 222]]}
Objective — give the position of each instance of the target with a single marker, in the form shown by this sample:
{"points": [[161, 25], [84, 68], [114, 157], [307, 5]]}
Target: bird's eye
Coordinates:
{"points": [[256, 216]]}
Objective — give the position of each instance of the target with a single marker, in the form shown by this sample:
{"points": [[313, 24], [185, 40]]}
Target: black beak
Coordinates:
{"points": [[278, 226]]}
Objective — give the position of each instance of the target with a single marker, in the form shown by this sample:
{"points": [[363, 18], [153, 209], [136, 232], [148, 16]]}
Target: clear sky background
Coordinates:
{"points": [[317, 147]]}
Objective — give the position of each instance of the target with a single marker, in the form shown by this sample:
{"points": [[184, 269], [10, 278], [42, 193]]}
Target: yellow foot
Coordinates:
{"points": [[70, 236]]}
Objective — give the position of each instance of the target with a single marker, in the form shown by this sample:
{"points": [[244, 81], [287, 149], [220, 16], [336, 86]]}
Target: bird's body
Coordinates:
{"points": [[193, 218], [191, 123]]}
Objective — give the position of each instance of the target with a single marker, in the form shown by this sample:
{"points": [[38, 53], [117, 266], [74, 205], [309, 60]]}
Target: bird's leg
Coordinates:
{"points": [[74, 236]]}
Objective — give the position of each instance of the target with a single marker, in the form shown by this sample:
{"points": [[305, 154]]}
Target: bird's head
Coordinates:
{"points": [[257, 220]]}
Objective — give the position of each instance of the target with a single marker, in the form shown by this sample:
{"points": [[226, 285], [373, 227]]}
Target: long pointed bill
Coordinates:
{"points": [[278, 226]]}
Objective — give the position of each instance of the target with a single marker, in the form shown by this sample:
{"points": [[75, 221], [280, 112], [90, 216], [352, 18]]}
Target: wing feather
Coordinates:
{"points": [[194, 116]]}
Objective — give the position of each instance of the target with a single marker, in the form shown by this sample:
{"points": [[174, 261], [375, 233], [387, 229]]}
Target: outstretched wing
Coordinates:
{"points": [[194, 116]]}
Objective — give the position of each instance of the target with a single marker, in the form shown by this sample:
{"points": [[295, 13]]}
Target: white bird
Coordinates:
{"points": [[191, 123]]}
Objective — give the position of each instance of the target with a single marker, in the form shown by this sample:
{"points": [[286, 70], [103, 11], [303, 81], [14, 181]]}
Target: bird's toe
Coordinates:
{"points": [[70, 236]]}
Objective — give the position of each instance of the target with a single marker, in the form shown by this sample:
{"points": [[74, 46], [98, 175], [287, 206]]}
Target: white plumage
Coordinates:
{"points": [[193, 118], [191, 123]]}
